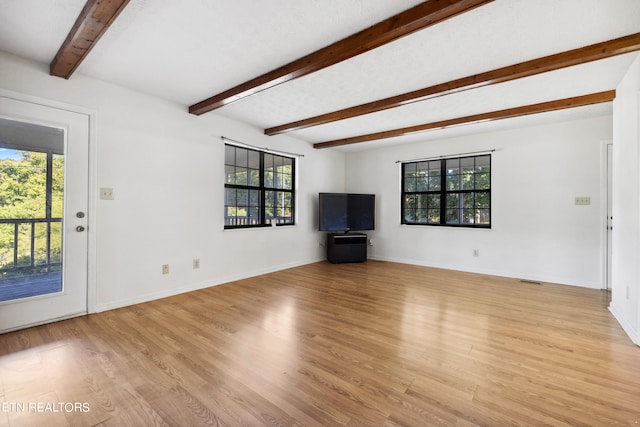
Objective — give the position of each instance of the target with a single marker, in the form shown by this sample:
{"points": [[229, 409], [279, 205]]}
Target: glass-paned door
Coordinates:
{"points": [[31, 208], [43, 213]]}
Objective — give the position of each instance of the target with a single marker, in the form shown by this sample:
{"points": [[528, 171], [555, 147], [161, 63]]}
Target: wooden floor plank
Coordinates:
{"points": [[366, 344]]}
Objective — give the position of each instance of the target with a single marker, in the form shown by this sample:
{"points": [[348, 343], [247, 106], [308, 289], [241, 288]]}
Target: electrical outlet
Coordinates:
{"points": [[165, 268], [106, 194], [370, 242], [476, 252], [196, 263], [583, 201]]}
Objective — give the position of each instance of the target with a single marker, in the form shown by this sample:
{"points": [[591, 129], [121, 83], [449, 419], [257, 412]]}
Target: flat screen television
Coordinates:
{"points": [[344, 212]]}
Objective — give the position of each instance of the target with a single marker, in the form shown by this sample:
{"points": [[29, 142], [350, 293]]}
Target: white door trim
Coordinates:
{"points": [[92, 185], [604, 181]]}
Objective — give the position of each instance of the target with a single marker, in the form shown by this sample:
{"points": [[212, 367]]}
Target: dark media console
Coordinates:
{"points": [[346, 247]]}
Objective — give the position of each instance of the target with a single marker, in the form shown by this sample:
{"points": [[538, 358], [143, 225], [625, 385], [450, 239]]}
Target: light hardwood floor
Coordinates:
{"points": [[370, 344]]}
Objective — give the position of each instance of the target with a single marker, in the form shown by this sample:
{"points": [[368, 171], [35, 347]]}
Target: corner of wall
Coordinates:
{"points": [[629, 328]]}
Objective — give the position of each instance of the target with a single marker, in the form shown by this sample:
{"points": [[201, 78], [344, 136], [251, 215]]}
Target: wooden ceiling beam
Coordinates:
{"points": [[561, 104], [94, 20], [421, 16], [558, 61]]}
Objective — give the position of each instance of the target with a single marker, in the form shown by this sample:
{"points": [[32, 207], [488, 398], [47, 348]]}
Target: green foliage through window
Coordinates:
{"points": [[454, 192], [30, 215]]}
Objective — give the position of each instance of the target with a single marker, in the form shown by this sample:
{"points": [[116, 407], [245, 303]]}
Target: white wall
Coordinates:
{"points": [[166, 167], [625, 289], [537, 233]]}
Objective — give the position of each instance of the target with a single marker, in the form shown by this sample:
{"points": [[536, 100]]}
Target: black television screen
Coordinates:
{"points": [[346, 212]]}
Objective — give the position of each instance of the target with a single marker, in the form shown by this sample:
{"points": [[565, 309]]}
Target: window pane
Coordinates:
{"points": [[268, 178], [467, 200], [434, 182], [278, 207], [269, 171], [285, 172], [410, 183], [24, 244], [56, 242], [268, 161], [483, 181], [409, 172], [433, 201], [7, 245], [483, 216], [57, 186], [453, 182], [467, 164], [236, 215], [452, 201], [230, 174], [452, 216], [242, 157], [468, 180], [452, 211], [269, 202], [285, 199], [410, 167], [433, 216], [421, 201], [242, 197], [410, 201], [284, 212], [229, 155], [254, 178], [482, 200], [254, 160], [408, 208], [409, 215], [483, 163], [422, 176], [254, 198], [287, 181], [241, 176], [230, 198], [422, 180], [453, 166], [254, 215], [453, 177], [468, 216]]}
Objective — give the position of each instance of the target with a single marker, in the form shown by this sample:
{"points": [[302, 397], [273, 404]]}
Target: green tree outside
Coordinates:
{"points": [[23, 195]]}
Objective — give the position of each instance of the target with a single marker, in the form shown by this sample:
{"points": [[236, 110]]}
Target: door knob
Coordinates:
{"points": [[79, 228]]}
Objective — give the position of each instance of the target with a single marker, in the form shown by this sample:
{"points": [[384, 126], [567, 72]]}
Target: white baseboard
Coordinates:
{"points": [[500, 273], [626, 326], [196, 286]]}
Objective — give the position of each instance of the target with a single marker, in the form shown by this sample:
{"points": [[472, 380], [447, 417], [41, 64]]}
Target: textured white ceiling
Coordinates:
{"points": [[188, 50]]}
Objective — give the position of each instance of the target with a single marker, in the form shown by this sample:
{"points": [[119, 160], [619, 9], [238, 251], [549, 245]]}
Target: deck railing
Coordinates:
{"points": [[25, 229]]}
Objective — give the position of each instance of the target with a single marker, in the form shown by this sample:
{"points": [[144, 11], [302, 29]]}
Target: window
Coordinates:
{"points": [[258, 188], [451, 192]]}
